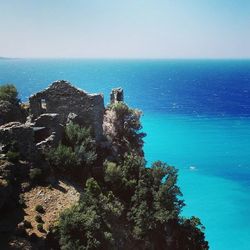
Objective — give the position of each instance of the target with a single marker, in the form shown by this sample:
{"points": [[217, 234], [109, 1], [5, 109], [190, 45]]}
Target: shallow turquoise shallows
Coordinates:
{"points": [[213, 160], [196, 116]]}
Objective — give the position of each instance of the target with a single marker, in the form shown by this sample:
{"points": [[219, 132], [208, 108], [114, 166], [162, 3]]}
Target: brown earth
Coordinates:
{"points": [[53, 199]]}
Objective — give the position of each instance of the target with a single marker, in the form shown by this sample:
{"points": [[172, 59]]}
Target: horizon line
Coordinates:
{"points": [[130, 58]]}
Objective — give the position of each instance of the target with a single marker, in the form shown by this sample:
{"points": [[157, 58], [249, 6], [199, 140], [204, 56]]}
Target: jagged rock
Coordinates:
{"points": [[10, 112], [62, 98], [116, 95], [22, 135]]}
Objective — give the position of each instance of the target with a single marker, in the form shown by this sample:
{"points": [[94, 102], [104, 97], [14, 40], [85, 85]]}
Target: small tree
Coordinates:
{"points": [[82, 144], [61, 158], [89, 224], [128, 136], [76, 152], [8, 92]]}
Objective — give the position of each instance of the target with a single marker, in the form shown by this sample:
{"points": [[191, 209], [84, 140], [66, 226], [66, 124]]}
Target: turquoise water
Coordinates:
{"points": [[213, 159], [196, 116]]}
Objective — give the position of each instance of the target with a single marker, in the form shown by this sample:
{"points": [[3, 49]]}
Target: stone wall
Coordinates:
{"points": [[116, 95], [62, 98]]}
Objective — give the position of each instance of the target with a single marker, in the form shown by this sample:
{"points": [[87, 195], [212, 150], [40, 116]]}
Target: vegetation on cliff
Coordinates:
{"points": [[123, 204], [132, 206], [10, 109]]}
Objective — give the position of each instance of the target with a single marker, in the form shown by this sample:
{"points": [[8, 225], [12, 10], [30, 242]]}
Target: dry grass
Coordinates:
{"points": [[54, 201]]}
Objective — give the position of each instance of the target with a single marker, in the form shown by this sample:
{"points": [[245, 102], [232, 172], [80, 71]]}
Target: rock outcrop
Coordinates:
{"points": [[20, 134]]}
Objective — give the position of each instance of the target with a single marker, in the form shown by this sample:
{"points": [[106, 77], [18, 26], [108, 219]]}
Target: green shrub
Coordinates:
{"points": [[77, 150], [128, 129], [35, 174], [27, 224], [39, 209], [88, 224], [40, 227], [82, 143], [62, 158], [8, 92], [13, 156], [39, 219]]}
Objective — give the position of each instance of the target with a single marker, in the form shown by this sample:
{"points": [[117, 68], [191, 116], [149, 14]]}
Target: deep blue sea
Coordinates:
{"points": [[196, 116]]}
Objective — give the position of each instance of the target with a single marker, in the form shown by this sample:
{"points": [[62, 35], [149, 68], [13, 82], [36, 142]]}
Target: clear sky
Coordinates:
{"points": [[125, 28]]}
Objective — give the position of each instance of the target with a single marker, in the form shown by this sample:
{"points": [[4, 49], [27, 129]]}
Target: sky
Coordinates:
{"points": [[125, 28]]}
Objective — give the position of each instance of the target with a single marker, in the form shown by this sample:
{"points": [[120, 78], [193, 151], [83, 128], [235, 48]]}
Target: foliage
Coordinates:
{"points": [[39, 219], [12, 149], [27, 224], [191, 231], [39, 209], [13, 156], [122, 178], [88, 225], [77, 150], [132, 207], [128, 128], [155, 202], [136, 203], [35, 174], [61, 158], [40, 227], [82, 143], [8, 92]]}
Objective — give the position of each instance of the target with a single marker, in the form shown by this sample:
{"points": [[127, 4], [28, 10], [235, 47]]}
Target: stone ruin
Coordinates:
{"points": [[50, 110], [63, 99], [116, 95]]}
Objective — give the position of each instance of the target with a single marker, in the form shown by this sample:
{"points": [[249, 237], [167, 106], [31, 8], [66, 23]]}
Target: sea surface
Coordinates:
{"points": [[196, 116]]}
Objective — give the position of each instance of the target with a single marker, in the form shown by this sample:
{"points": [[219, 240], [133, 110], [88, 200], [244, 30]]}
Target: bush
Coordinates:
{"points": [[13, 156], [88, 224], [39, 219], [40, 227], [27, 224], [35, 174], [62, 158], [77, 150], [128, 136], [82, 143], [39, 209], [8, 92]]}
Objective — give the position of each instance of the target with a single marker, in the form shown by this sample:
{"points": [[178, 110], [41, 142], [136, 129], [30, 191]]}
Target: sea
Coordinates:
{"points": [[196, 114]]}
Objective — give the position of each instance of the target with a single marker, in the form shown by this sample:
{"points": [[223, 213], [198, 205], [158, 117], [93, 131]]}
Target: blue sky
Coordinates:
{"points": [[125, 28]]}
